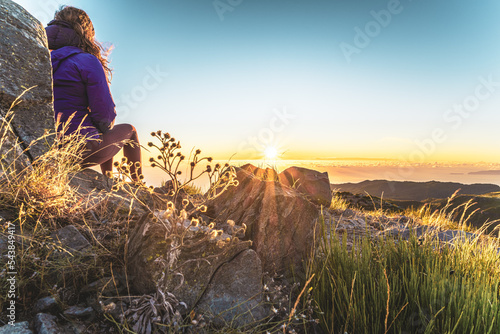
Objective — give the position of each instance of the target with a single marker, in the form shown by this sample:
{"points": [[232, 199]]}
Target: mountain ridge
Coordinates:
{"points": [[415, 191]]}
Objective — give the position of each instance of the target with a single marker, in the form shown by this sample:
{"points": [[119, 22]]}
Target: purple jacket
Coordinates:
{"points": [[80, 85]]}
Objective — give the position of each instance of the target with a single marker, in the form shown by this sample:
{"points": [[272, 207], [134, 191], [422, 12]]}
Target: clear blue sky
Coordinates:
{"points": [[352, 85]]}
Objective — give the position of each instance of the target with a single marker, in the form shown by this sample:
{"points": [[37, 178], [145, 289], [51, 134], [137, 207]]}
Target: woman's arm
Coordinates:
{"points": [[102, 107]]}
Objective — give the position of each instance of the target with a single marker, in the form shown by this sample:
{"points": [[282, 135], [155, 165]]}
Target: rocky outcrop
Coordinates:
{"points": [[25, 64], [313, 184], [281, 221]]}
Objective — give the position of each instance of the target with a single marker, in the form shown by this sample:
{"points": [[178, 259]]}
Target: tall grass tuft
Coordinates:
{"points": [[414, 286], [41, 188]]}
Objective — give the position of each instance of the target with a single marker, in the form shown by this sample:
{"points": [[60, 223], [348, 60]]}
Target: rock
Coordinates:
{"points": [[89, 181], [455, 236], [46, 324], [313, 184], [79, 312], [234, 295], [18, 328], [25, 63], [70, 239], [281, 221], [267, 174], [46, 304], [187, 270]]}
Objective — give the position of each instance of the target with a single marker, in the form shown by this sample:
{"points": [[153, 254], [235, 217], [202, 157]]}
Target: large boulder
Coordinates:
{"points": [[182, 260], [280, 221], [25, 64], [313, 184]]}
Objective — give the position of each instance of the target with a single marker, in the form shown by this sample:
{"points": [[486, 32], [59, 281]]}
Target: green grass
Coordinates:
{"points": [[385, 286]]}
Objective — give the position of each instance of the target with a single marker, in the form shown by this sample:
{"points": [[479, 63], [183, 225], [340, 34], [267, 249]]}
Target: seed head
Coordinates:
{"points": [[150, 144], [209, 159], [198, 151], [153, 134], [179, 172], [166, 135], [158, 132], [192, 164], [159, 157], [116, 164], [151, 159], [137, 164]]}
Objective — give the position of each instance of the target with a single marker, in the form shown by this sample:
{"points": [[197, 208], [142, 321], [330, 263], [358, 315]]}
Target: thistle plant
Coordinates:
{"points": [[170, 160]]}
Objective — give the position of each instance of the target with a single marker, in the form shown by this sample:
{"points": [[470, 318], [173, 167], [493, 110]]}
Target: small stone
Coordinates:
{"points": [[71, 240], [79, 312], [46, 324], [45, 304], [18, 328]]}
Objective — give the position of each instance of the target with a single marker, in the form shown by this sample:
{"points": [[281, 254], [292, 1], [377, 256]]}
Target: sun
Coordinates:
{"points": [[271, 153]]}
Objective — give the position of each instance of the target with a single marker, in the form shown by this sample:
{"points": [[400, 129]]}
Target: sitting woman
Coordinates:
{"points": [[81, 92]]}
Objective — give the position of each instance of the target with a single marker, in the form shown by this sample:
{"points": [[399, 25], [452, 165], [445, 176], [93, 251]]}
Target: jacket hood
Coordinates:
{"points": [[59, 55], [60, 34]]}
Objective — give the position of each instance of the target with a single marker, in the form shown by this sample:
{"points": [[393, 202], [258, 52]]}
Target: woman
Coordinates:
{"points": [[81, 92]]}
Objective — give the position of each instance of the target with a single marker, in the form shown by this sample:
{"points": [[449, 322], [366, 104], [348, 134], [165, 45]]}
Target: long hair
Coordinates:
{"points": [[81, 23]]}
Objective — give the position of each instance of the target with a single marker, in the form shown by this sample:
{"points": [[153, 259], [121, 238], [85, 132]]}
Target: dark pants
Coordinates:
{"points": [[102, 152]]}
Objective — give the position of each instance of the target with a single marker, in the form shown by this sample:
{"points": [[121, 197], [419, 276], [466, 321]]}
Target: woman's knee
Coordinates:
{"points": [[125, 127]]}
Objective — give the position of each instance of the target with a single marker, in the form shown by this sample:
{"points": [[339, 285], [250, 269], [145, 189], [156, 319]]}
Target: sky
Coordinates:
{"points": [[413, 80]]}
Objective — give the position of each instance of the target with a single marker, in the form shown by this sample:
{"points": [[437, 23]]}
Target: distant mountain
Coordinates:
{"points": [[486, 172], [414, 191]]}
